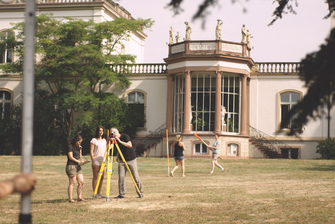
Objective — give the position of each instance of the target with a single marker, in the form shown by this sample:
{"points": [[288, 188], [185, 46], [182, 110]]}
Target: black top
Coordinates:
{"points": [[178, 150], [128, 153], [75, 153]]}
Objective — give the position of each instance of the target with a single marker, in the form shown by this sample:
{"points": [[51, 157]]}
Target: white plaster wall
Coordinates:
{"points": [[156, 92], [263, 113], [14, 85]]}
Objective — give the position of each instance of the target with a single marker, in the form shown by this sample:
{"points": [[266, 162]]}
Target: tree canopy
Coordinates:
{"points": [[73, 62], [283, 7]]}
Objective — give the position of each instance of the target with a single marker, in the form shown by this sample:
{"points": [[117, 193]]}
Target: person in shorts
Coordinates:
{"points": [[73, 168], [179, 148], [97, 151], [215, 154]]}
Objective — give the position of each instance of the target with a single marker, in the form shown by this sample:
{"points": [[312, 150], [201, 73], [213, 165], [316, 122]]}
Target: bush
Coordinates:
{"points": [[326, 148]]}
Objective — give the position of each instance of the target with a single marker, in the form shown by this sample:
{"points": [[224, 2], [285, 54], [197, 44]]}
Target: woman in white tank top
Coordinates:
{"points": [[97, 151]]}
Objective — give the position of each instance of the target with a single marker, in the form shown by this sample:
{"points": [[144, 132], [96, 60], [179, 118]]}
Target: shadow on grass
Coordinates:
{"points": [[320, 168], [50, 201]]}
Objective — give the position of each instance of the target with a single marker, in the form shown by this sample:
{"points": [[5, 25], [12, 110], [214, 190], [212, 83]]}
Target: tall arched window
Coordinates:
{"points": [[287, 99], [6, 55], [136, 101], [178, 107], [5, 103]]}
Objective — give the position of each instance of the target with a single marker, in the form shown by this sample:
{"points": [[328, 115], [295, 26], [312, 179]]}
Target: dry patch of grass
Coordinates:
{"points": [[249, 191]]}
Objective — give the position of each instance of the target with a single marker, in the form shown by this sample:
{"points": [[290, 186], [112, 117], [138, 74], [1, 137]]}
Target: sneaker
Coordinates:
{"points": [[98, 196], [102, 196], [119, 197], [140, 195]]}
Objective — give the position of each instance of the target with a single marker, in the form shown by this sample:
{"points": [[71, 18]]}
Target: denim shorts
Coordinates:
{"points": [[179, 158]]}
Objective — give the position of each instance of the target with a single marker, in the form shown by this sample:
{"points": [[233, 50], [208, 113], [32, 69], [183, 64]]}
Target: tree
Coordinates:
{"points": [[317, 70], [284, 6], [74, 63]]}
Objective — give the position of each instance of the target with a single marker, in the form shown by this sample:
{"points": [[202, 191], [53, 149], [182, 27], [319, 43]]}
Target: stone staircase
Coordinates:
{"points": [[267, 144]]}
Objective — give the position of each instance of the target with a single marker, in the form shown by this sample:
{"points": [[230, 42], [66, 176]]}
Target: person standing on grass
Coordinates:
{"points": [[179, 148], [129, 154], [73, 168], [215, 154], [97, 152]]}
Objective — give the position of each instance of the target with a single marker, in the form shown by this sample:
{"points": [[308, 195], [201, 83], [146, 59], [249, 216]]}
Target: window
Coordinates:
{"points": [[200, 148], [203, 90], [232, 150], [287, 101], [230, 96], [290, 153], [178, 108], [135, 101], [5, 103], [6, 55]]}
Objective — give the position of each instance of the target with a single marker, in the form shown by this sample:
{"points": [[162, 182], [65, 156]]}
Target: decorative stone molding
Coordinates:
{"points": [[232, 48], [177, 48], [202, 46]]}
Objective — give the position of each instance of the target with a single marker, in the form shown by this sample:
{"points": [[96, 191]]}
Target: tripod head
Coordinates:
{"points": [[112, 135]]}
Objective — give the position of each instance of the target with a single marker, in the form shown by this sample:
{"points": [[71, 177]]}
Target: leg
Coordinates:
{"points": [[80, 181], [177, 165], [213, 162], [95, 170], [72, 181], [218, 165], [183, 167], [134, 171], [122, 175]]}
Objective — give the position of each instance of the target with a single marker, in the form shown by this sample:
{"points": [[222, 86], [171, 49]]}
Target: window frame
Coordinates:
{"points": [[145, 104], [6, 50], [10, 101], [279, 103]]}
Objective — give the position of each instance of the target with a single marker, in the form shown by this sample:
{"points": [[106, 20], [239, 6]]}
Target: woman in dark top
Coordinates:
{"points": [[178, 148], [73, 168]]}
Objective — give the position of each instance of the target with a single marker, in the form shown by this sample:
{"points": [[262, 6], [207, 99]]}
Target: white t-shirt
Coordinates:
{"points": [[99, 149]]}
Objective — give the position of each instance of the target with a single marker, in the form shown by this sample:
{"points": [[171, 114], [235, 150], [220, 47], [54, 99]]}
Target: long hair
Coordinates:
{"points": [[76, 139], [97, 131]]}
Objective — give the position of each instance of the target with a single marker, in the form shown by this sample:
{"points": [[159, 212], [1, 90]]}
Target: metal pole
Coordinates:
{"points": [[28, 104]]}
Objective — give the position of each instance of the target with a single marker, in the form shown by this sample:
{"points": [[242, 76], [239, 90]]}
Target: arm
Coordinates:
{"points": [[91, 151], [21, 183], [70, 154], [127, 144]]}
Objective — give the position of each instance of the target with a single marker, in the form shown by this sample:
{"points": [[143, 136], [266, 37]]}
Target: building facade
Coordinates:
{"points": [[205, 87]]}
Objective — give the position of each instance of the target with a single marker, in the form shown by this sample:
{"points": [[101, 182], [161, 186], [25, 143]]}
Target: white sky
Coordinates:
{"points": [[287, 40]]}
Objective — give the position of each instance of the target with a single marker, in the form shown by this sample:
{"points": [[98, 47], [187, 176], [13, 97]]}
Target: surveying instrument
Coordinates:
{"points": [[109, 150]]}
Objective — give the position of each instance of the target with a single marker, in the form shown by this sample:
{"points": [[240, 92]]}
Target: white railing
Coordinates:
{"points": [[277, 67], [158, 68]]}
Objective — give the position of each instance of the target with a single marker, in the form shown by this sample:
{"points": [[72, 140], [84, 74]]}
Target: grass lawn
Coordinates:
{"points": [[249, 191]]}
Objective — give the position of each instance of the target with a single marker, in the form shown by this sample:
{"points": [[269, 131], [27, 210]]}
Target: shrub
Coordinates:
{"points": [[326, 148]]}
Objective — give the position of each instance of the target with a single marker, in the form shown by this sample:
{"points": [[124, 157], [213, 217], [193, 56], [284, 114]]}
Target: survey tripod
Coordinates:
{"points": [[109, 150]]}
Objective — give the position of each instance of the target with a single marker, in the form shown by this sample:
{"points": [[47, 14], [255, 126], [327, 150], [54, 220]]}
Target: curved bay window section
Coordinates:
{"points": [[178, 111], [203, 90]]}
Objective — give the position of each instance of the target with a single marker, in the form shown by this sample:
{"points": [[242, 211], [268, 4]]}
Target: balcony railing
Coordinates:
{"points": [[277, 67], [159, 68]]}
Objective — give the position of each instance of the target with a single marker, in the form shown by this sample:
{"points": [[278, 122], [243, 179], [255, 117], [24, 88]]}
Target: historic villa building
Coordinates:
{"points": [[205, 87]]}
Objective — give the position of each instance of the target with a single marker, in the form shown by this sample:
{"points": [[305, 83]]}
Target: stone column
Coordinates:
{"points": [[217, 128], [244, 105], [169, 106], [187, 103]]}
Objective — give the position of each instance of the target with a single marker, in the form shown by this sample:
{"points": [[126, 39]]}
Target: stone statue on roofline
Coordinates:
{"points": [[244, 35], [178, 37], [171, 35], [218, 30], [188, 31], [248, 40]]}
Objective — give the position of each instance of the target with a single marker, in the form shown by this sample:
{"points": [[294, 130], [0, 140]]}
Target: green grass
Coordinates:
{"points": [[249, 191]]}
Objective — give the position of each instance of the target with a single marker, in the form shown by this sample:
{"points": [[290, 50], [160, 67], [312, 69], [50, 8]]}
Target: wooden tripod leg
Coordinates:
{"points": [[127, 167]]}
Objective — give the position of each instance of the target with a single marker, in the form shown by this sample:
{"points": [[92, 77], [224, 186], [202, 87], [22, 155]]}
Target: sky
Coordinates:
{"points": [[288, 40]]}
